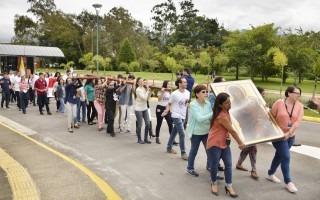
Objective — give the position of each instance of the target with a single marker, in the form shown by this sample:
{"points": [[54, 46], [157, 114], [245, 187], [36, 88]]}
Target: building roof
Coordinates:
{"points": [[22, 50]]}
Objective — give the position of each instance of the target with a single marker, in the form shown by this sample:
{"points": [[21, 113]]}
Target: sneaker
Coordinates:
{"points": [[184, 156], [291, 188], [147, 141], [171, 151], [128, 131], [49, 113], [192, 173], [41, 113], [121, 131], [140, 141], [273, 178]]}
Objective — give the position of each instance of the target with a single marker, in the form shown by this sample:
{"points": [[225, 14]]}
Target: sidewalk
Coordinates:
{"points": [[53, 177]]}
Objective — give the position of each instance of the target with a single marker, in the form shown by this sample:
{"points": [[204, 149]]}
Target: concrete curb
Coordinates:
{"points": [[311, 119]]}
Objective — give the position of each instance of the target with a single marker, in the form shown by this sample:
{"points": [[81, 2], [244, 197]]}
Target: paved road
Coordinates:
{"points": [[147, 172]]}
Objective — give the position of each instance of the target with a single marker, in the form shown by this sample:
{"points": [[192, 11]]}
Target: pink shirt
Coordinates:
{"points": [[218, 133], [281, 114], [24, 86]]}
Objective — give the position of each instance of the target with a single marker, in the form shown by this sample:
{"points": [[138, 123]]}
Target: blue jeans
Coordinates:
{"points": [[62, 106], [282, 156], [214, 154], [81, 105], [195, 143], [24, 99], [177, 128], [142, 115]]}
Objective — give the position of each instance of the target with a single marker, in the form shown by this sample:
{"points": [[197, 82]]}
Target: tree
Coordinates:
{"points": [[165, 19], [67, 65], [172, 65], [220, 60], [25, 30], [107, 61], [179, 52], [280, 60], [233, 49], [126, 53], [100, 60], [134, 66], [87, 61]]}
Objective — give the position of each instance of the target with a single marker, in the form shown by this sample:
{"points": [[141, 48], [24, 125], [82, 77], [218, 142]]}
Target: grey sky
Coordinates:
{"points": [[232, 14]]}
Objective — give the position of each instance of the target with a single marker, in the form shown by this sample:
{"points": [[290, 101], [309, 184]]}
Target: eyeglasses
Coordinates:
{"points": [[204, 91], [297, 93]]}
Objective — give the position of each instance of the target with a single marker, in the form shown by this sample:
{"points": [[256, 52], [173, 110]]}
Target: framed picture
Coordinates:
{"points": [[250, 115]]}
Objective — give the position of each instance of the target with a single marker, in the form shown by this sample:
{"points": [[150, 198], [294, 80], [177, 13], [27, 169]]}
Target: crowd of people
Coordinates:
{"points": [[101, 100]]}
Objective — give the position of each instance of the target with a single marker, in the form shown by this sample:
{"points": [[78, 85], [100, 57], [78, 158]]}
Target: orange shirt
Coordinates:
{"points": [[281, 115], [218, 133]]}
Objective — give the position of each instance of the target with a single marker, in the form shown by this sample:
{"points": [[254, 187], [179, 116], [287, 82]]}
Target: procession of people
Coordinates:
{"points": [[98, 100]]}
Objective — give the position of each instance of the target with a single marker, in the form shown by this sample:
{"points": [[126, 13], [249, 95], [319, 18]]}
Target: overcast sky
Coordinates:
{"points": [[233, 14]]}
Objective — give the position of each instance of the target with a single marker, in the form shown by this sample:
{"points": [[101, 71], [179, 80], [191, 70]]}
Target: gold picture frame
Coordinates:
{"points": [[250, 115]]}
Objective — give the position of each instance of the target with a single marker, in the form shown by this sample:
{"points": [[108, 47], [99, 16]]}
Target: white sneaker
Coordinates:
{"points": [[273, 178], [291, 188]]}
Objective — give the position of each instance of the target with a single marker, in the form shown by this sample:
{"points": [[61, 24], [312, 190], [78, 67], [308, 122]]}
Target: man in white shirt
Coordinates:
{"points": [[178, 103], [16, 84], [33, 79], [67, 75]]}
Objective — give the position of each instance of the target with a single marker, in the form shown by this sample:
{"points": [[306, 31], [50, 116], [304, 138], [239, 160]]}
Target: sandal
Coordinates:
{"points": [[70, 130]]}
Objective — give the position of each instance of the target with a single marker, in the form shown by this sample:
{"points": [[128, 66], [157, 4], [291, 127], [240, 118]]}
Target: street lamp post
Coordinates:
{"points": [[97, 7]]}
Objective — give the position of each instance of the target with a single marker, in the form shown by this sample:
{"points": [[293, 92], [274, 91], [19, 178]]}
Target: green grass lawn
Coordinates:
{"points": [[272, 84]]}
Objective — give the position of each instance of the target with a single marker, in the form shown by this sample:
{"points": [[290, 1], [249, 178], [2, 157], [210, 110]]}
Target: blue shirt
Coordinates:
{"points": [[71, 92], [5, 84], [212, 99], [190, 83], [199, 119]]}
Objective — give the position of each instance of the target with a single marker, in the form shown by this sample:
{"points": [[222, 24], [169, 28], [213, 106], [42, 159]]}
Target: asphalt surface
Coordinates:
{"points": [[138, 171]]}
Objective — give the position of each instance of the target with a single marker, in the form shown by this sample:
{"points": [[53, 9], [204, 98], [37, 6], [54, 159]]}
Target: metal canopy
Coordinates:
{"points": [[22, 50]]}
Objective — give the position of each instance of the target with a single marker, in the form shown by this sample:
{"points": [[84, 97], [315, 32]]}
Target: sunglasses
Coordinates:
{"points": [[204, 91]]}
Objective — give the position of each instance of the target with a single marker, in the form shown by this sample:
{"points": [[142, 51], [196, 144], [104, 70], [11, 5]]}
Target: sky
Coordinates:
{"points": [[232, 14]]}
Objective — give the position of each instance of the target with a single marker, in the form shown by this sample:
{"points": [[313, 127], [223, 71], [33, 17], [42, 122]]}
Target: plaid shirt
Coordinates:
{"points": [[100, 94]]}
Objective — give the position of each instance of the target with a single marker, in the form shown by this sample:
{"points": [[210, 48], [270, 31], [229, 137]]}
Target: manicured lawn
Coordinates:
{"points": [[272, 84]]}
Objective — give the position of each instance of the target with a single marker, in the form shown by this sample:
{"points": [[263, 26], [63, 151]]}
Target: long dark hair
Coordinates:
{"points": [[135, 93], [165, 83], [217, 107]]}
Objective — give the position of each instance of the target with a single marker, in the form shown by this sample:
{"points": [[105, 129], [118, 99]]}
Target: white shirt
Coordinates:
{"points": [[11, 77], [16, 82], [165, 98], [179, 101], [141, 100], [83, 96], [33, 80]]}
